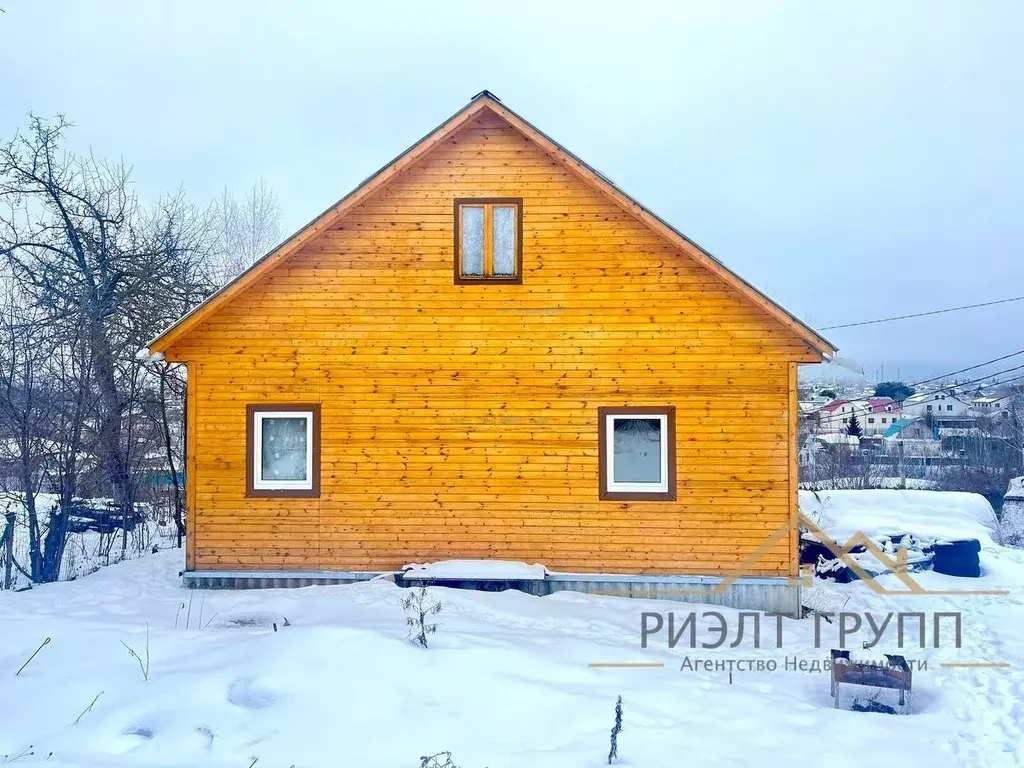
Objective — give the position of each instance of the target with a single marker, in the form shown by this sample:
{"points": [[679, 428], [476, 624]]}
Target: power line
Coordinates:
{"points": [[985, 378], [921, 314], [970, 368], [1010, 380], [964, 370]]}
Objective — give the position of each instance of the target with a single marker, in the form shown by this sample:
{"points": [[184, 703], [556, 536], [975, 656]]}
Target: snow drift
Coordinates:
{"points": [[478, 570], [926, 514]]}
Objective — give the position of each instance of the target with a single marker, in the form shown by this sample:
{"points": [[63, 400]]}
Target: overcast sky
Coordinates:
{"points": [[853, 161]]}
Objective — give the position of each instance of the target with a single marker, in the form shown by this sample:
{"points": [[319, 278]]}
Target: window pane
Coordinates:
{"points": [[637, 451], [284, 448], [504, 240], [472, 241]]}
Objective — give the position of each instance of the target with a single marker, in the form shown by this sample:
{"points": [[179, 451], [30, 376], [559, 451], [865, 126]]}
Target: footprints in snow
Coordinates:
{"points": [[244, 692]]}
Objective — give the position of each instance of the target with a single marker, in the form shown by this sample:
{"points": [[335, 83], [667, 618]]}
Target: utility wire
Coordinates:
{"points": [[964, 370], [985, 378], [921, 314], [969, 368], [933, 390]]}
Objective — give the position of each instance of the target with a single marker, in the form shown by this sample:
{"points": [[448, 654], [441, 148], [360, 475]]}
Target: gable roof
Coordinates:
{"points": [[882, 404], [484, 100], [830, 407]]}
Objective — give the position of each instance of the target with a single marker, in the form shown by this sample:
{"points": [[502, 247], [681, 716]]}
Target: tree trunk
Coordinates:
{"points": [[112, 452], [9, 550], [54, 545], [179, 523], [35, 544]]}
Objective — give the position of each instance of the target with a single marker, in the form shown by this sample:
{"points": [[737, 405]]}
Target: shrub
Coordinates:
{"points": [[417, 604]]}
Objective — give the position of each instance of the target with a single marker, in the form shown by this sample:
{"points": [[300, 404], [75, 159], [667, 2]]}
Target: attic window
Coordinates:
{"points": [[489, 240]]}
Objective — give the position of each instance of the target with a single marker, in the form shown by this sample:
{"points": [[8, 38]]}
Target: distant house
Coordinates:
{"points": [[835, 416], [819, 445], [882, 413], [998, 406], [488, 351], [939, 405], [912, 429], [874, 414]]}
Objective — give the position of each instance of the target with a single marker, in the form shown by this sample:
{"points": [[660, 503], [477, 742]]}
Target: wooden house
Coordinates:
{"points": [[489, 351]]}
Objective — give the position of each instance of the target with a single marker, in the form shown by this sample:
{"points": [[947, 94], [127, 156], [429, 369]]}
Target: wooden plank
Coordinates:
{"points": [[461, 420], [191, 478], [794, 472]]}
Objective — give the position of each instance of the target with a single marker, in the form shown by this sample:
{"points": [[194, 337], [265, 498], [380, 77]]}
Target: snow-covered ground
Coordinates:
{"points": [[506, 680], [85, 552], [934, 514]]}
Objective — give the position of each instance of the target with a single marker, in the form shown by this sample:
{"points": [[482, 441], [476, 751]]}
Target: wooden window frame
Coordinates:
{"points": [[488, 204], [668, 412], [252, 451]]}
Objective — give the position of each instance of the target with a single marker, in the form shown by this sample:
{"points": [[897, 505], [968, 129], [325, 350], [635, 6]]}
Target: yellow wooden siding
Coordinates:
{"points": [[460, 421]]}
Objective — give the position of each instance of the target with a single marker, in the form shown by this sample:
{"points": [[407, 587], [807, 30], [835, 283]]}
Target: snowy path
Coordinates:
{"points": [[505, 683], [986, 705]]}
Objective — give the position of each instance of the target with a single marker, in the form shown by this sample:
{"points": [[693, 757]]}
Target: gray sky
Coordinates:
{"points": [[852, 162]]}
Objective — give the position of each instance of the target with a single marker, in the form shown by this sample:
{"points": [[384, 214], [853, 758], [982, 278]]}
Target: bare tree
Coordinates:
{"points": [[839, 467], [24, 413], [44, 400], [165, 410], [244, 230], [102, 275], [70, 240]]}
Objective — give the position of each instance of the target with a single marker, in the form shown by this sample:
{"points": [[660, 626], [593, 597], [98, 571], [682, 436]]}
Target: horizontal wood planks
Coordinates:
{"points": [[460, 421]]}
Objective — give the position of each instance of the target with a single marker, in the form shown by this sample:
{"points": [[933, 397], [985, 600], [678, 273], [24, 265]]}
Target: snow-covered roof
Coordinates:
{"points": [[835, 404], [837, 438], [990, 399]]}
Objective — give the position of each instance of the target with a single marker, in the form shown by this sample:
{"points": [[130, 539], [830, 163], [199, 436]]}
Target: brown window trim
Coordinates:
{"points": [[250, 448], [669, 412], [461, 279]]}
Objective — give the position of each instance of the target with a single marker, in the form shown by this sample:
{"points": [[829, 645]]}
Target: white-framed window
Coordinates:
{"points": [[637, 453], [283, 452]]}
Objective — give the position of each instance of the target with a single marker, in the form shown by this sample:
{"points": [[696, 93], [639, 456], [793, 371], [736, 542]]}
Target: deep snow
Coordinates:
{"points": [[505, 683], [933, 514]]}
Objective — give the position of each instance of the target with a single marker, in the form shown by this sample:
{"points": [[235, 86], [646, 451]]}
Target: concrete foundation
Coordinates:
{"points": [[770, 594]]}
